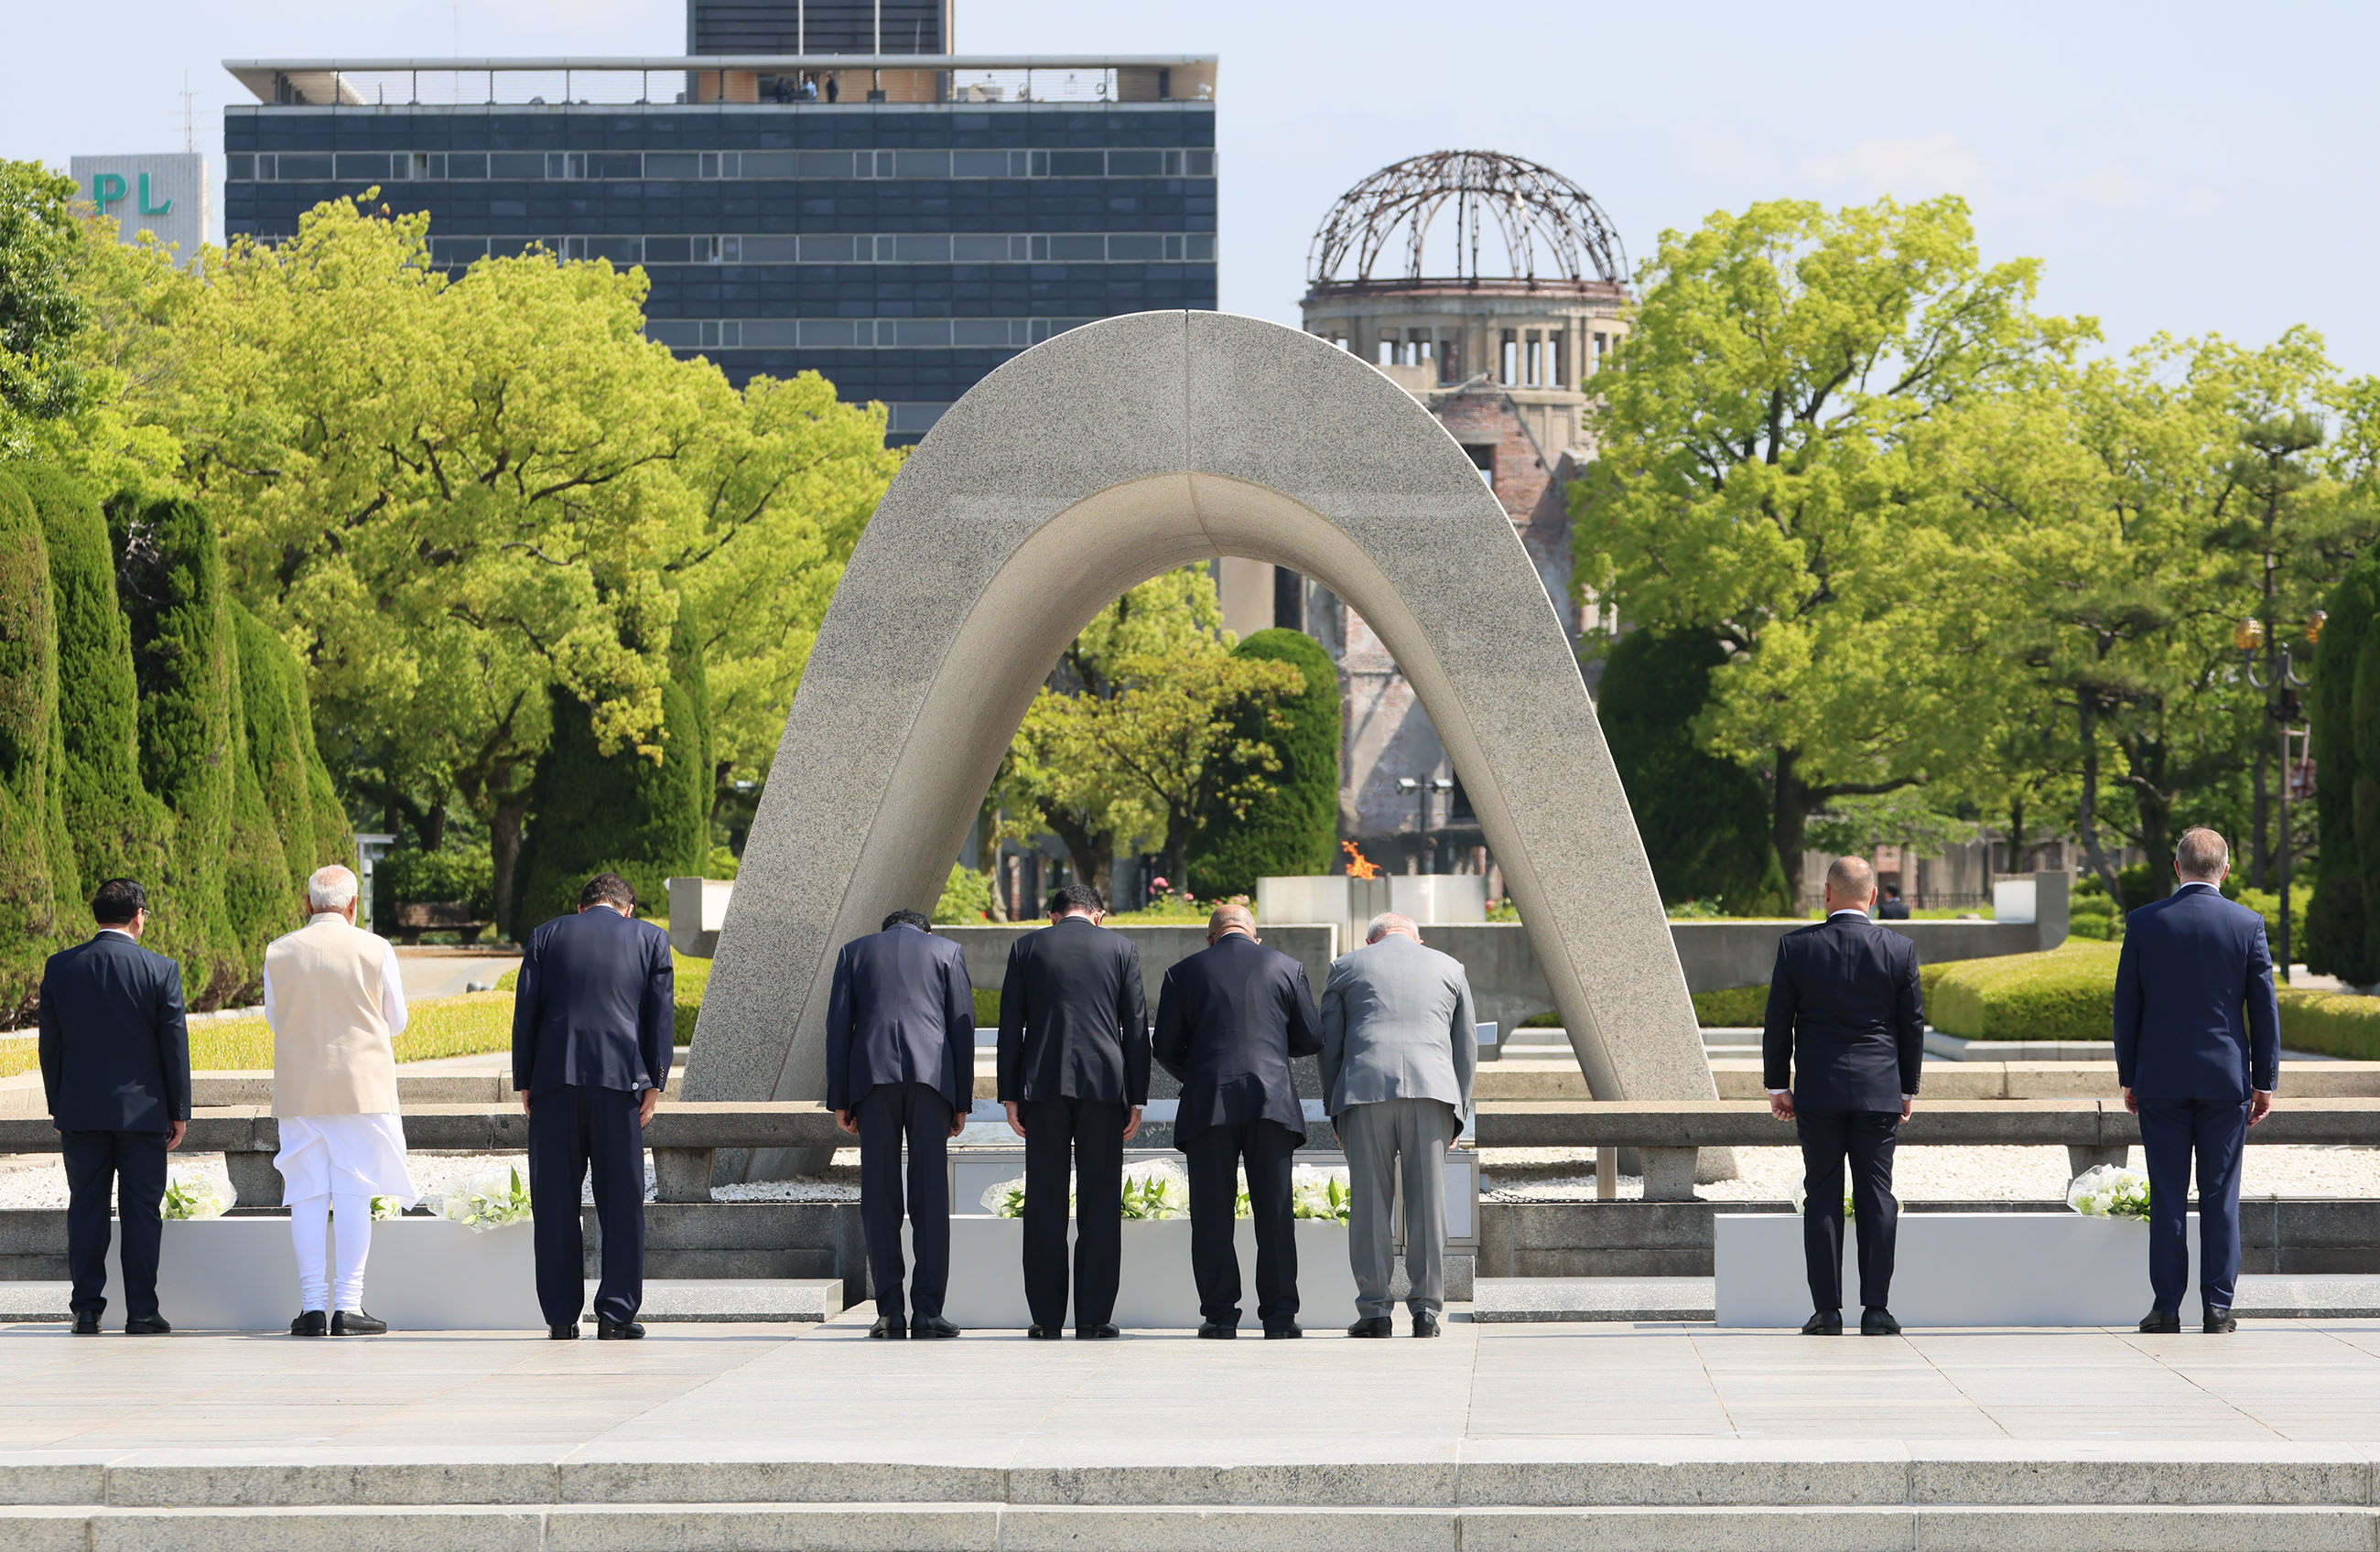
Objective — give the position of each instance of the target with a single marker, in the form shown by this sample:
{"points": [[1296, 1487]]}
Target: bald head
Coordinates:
{"points": [[1851, 884], [1389, 922], [1228, 919]]}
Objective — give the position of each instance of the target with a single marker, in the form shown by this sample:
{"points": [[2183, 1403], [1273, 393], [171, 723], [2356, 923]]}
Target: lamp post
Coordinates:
{"points": [[2280, 684]]}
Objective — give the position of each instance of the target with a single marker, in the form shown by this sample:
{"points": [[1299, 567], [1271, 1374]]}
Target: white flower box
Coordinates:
{"points": [[426, 1274], [1155, 1291], [2037, 1268]]}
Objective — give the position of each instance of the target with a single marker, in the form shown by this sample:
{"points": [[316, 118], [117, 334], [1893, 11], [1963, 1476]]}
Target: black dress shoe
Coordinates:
{"points": [[1425, 1322], [1373, 1326], [85, 1324], [1876, 1321], [889, 1328], [363, 1323], [1101, 1332], [147, 1326], [618, 1330], [2220, 1322], [563, 1333], [1282, 1333], [2161, 1323], [1045, 1333], [1216, 1331], [1824, 1323], [312, 1323], [930, 1326]]}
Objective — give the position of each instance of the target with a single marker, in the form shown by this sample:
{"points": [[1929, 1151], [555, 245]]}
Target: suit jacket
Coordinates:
{"points": [[115, 1053], [901, 1011], [1846, 1026], [1398, 1024], [2195, 1015], [1229, 1019], [596, 1006], [1074, 1017]]}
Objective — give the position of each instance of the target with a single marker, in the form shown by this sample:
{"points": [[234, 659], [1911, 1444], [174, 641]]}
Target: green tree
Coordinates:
{"points": [[31, 922], [41, 310], [1294, 830], [2342, 935], [1704, 819], [1754, 482]]}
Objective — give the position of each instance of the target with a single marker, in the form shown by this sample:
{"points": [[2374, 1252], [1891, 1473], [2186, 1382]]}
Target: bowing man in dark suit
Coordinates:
{"points": [[900, 1066], [1843, 1047], [593, 1032], [115, 1066], [2198, 1049], [1228, 1021], [1074, 1074]]}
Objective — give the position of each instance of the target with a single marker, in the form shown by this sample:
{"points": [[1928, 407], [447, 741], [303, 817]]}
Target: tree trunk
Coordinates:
{"points": [[2019, 854], [503, 845], [1091, 852], [1791, 821], [432, 827], [2086, 810]]}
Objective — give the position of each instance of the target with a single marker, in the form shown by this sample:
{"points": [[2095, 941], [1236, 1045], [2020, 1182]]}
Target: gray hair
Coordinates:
{"points": [[1388, 922], [2200, 853], [331, 889], [1849, 877]]}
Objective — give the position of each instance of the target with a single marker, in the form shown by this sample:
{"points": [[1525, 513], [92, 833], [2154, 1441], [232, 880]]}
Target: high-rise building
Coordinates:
{"points": [[820, 185]]}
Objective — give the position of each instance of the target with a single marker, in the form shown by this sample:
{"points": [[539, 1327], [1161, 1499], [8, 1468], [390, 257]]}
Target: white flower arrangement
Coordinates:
{"points": [[2110, 1191], [490, 1200], [1157, 1189], [190, 1197], [1005, 1198], [1320, 1194], [385, 1208]]}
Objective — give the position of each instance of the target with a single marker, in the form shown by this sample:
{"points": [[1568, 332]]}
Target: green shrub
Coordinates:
{"points": [[1295, 830], [987, 1007], [966, 897], [2342, 928], [1731, 1007], [2331, 1023], [463, 874], [2068, 993], [30, 925], [1705, 821]]}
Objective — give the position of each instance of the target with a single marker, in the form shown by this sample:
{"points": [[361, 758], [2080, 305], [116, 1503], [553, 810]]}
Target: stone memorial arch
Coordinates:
{"points": [[1087, 465]]}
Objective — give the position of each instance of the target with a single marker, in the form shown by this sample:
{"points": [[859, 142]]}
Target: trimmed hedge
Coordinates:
{"points": [[2068, 993], [1731, 1007], [1295, 830], [2331, 1023]]}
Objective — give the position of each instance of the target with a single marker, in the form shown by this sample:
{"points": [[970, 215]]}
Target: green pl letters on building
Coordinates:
{"points": [[163, 194]]}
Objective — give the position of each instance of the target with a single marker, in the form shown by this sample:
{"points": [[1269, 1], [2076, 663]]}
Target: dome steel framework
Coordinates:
{"points": [[1389, 216]]}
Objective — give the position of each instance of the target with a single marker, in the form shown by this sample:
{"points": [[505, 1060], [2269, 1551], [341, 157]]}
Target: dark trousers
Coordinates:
{"points": [[2171, 1132], [889, 1114], [131, 1167], [1212, 1160], [574, 1131], [1087, 1135], [1866, 1138]]}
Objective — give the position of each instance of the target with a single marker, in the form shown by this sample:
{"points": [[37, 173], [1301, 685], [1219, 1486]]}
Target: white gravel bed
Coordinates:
{"points": [[1930, 1175]]}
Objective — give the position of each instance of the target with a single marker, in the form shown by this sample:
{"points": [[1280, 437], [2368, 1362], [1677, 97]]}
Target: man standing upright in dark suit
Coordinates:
{"points": [[1843, 1051], [900, 1066], [115, 1066], [2198, 1049], [593, 1032], [1228, 1021], [1074, 1074]]}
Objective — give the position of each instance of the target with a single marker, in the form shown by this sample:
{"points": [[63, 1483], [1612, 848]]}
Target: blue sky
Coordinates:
{"points": [[2180, 167]]}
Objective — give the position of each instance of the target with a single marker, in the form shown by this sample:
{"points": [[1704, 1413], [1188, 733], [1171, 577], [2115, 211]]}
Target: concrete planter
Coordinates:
{"points": [[1982, 1268], [239, 1274], [1155, 1292]]}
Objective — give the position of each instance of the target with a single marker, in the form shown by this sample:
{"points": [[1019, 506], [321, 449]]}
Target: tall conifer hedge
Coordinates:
{"points": [[2342, 930], [31, 922], [1295, 830]]}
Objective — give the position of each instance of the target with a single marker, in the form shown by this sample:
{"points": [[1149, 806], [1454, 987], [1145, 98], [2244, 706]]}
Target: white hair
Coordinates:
{"points": [[331, 889], [1388, 922]]}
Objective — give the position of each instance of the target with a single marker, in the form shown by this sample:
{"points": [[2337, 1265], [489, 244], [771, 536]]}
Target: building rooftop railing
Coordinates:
{"points": [[794, 80]]}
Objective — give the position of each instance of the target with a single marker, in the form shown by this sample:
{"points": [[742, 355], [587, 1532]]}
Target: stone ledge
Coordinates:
{"points": [[1657, 1299]]}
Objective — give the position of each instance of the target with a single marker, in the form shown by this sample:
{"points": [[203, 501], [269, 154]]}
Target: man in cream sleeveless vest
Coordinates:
{"points": [[334, 1001]]}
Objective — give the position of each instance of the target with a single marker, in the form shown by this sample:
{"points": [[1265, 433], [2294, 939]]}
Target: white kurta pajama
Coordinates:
{"points": [[333, 1014]]}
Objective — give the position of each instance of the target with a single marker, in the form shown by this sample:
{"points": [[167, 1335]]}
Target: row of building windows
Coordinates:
{"points": [[858, 333], [713, 128], [404, 167], [1524, 357], [997, 247]]}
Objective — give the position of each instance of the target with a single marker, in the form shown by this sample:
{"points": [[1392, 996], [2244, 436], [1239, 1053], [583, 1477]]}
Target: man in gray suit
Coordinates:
{"points": [[1399, 1050]]}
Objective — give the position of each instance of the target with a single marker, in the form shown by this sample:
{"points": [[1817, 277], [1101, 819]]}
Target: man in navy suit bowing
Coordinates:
{"points": [[2198, 1049], [592, 1036], [1844, 1044], [115, 1065], [1228, 1021], [900, 1066]]}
